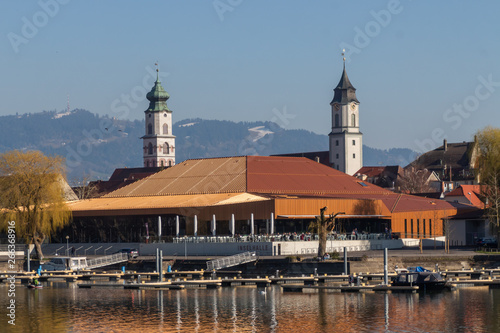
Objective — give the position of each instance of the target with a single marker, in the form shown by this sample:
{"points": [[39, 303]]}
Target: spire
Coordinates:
{"points": [[157, 96], [345, 91]]}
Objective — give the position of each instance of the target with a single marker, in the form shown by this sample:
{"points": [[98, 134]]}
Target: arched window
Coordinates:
{"points": [[337, 120], [162, 163], [150, 129], [150, 148], [165, 129], [166, 148], [170, 163], [353, 120]]}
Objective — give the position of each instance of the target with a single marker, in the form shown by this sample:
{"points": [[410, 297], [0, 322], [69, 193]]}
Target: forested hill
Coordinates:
{"points": [[95, 145]]}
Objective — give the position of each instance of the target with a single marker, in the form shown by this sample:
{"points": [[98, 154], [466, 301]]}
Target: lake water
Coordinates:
{"points": [[63, 307]]}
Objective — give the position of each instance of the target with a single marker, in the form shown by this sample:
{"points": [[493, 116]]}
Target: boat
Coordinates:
{"points": [[421, 277]]}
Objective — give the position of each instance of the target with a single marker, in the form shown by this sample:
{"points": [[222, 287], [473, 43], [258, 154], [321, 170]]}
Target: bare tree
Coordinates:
{"points": [[84, 188], [414, 180], [323, 225]]}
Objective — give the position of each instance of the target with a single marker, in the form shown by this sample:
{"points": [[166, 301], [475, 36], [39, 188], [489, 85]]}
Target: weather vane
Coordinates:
{"points": [[343, 55], [157, 67]]}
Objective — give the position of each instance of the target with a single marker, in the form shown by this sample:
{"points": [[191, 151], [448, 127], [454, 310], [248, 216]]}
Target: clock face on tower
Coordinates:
{"points": [[336, 107], [353, 106]]}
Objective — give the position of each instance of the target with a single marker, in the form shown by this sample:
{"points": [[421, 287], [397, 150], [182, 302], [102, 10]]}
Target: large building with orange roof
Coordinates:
{"points": [[287, 190]]}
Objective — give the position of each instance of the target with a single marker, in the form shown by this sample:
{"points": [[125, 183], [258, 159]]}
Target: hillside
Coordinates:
{"points": [[94, 145]]}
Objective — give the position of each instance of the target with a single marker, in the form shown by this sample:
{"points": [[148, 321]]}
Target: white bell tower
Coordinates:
{"points": [[159, 143], [346, 141]]}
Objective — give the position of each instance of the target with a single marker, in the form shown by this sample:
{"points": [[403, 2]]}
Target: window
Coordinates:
{"points": [[353, 155], [406, 228], [362, 184], [418, 228], [411, 228], [150, 129], [353, 120], [165, 114], [166, 148], [353, 142], [337, 156], [170, 163], [165, 129], [430, 227], [162, 162], [337, 120], [336, 142], [424, 226], [150, 149]]}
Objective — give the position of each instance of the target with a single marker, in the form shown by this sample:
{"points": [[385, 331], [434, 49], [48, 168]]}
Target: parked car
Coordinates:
{"points": [[487, 242], [132, 253]]}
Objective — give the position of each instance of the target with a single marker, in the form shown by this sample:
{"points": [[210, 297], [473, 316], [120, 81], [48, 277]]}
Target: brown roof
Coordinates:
{"points": [[254, 174], [215, 175], [230, 180], [290, 175], [457, 156]]}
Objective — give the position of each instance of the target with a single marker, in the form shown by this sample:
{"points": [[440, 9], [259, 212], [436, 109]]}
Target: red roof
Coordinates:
{"points": [[470, 192], [371, 171], [294, 175]]}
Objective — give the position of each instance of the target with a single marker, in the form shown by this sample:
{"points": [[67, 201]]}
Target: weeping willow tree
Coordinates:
{"points": [[323, 225], [488, 141], [31, 194]]}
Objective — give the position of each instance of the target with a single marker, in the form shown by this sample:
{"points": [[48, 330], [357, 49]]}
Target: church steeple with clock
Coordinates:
{"points": [[346, 141], [159, 143]]}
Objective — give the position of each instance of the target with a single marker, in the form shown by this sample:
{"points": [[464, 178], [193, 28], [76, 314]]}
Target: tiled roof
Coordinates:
{"points": [[371, 171], [215, 175], [230, 180], [470, 192], [455, 155], [289, 175]]}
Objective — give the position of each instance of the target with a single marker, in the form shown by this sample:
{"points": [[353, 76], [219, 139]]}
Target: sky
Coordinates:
{"points": [[423, 70]]}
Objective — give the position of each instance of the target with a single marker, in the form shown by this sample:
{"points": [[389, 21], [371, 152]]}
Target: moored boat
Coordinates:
{"points": [[424, 279]]}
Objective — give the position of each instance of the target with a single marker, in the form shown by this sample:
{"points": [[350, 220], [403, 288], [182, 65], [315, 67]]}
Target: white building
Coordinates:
{"points": [[346, 141], [159, 143]]}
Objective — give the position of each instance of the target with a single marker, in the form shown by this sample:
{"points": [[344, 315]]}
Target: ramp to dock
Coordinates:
{"points": [[107, 260], [235, 260]]}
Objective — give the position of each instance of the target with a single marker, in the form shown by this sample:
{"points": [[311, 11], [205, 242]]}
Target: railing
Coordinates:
{"points": [[235, 260], [107, 260], [278, 238]]}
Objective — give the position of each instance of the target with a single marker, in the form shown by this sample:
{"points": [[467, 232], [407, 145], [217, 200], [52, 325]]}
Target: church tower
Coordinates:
{"points": [[159, 143], [346, 141]]}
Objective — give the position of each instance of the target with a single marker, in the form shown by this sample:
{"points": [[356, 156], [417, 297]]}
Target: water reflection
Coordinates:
{"points": [[62, 307]]}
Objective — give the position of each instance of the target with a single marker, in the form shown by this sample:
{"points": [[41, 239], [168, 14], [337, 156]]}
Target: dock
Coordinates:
{"points": [[344, 288]]}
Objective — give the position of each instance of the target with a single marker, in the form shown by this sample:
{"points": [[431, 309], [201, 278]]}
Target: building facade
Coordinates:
{"points": [[158, 141], [346, 140]]}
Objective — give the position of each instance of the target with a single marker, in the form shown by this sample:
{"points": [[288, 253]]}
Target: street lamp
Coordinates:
{"points": [[67, 245]]}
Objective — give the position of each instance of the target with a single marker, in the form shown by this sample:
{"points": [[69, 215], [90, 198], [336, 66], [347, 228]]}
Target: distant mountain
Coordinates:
{"points": [[95, 145]]}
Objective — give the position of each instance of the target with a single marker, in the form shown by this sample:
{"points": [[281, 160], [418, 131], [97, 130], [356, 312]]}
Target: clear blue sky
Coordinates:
{"points": [[247, 60]]}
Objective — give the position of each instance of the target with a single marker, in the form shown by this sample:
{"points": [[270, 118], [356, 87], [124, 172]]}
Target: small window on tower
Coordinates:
{"points": [[165, 114], [150, 129], [337, 142], [353, 155], [353, 142], [337, 156]]}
